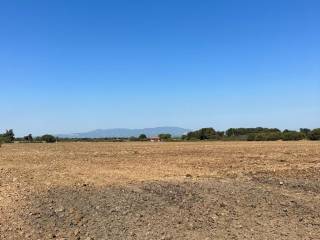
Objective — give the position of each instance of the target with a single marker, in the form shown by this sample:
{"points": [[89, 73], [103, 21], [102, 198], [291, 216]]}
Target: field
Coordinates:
{"points": [[194, 190]]}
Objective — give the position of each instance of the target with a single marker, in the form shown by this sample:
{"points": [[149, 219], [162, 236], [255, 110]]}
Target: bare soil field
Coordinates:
{"points": [[194, 190]]}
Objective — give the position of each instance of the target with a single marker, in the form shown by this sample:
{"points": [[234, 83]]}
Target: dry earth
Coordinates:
{"points": [[207, 190]]}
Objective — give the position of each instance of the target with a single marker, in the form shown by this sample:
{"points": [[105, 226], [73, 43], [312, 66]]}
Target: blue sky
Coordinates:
{"points": [[72, 66]]}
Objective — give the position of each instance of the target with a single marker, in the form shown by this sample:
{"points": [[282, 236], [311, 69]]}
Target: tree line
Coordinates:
{"points": [[254, 134], [232, 134], [9, 137]]}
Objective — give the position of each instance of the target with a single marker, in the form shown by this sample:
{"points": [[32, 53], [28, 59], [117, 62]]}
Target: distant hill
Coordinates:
{"points": [[126, 132]]}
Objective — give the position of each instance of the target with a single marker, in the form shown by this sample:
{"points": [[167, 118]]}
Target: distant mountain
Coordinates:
{"points": [[125, 132]]}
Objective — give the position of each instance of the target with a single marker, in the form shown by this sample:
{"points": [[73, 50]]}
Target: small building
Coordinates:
{"points": [[154, 139]]}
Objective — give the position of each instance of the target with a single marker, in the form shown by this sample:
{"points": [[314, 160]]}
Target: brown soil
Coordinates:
{"points": [[204, 190]]}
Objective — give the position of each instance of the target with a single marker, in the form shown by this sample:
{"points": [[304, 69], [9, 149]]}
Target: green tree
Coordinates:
{"points": [[165, 136], [48, 138], [231, 132], [251, 137], [273, 136], [314, 134], [220, 134], [246, 131], [142, 137], [28, 138], [260, 137], [202, 134], [292, 136], [305, 131], [7, 137]]}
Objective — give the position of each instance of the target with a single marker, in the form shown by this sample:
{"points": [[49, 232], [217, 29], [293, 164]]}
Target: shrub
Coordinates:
{"points": [[7, 137], [203, 134], [268, 136], [305, 131], [314, 134], [142, 137], [273, 136], [251, 137], [260, 137], [48, 138], [165, 136], [292, 136], [220, 134], [247, 131], [28, 138]]}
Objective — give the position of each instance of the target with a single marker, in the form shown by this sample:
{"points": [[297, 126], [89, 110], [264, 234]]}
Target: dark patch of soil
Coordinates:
{"points": [[201, 209]]}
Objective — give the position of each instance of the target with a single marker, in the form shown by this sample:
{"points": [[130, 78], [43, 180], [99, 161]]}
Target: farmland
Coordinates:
{"points": [[143, 190]]}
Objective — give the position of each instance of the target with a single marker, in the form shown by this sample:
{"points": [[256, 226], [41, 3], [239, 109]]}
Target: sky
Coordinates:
{"points": [[78, 65]]}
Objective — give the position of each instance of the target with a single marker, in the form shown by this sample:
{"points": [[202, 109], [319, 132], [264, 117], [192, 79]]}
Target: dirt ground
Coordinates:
{"points": [[200, 190]]}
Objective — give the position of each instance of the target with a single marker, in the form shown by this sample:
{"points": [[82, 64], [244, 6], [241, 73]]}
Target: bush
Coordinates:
{"points": [[7, 137], [142, 137], [220, 133], [268, 136], [314, 134], [275, 136], [305, 131], [48, 138], [28, 138], [203, 134], [292, 136], [251, 137], [260, 137], [165, 136], [246, 131]]}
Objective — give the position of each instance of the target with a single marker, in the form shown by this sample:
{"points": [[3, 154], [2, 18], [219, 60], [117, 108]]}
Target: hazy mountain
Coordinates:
{"points": [[126, 132]]}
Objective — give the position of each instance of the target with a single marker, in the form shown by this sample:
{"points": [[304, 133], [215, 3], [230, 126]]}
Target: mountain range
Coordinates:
{"points": [[126, 132]]}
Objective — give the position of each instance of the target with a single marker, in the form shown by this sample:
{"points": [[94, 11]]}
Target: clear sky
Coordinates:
{"points": [[78, 65]]}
